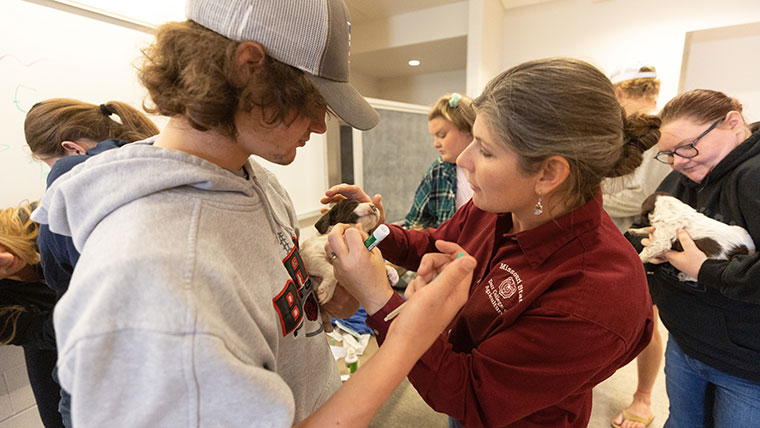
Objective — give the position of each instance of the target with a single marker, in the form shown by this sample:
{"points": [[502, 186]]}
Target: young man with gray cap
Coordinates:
{"points": [[190, 305], [190, 302]]}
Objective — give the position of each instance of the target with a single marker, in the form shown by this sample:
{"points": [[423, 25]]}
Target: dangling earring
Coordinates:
{"points": [[539, 206]]}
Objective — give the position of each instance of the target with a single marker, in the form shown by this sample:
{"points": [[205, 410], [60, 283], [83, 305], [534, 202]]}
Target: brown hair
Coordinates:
{"points": [[462, 115], [643, 87], [53, 121], [566, 107], [189, 71], [699, 105], [18, 233]]}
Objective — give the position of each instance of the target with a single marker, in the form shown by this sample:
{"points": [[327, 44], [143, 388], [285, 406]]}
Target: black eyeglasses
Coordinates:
{"points": [[687, 151]]}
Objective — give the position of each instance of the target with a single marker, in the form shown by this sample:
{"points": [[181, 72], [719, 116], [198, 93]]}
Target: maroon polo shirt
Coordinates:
{"points": [[552, 312]]}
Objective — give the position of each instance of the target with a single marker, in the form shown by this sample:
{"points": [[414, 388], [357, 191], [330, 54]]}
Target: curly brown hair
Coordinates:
{"points": [[50, 122], [189, 71], [643, 87]]}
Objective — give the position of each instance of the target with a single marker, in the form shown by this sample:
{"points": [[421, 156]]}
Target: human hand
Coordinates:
{"points": [[688, 261], [350, 191], [358, 270], [432, 264], [432, 306]]}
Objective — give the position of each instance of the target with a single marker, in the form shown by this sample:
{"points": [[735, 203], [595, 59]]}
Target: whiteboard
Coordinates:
{"points": [[53, 51], [725, 59]]}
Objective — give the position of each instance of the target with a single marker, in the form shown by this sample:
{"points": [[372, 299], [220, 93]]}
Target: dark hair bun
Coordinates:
{"points": [[640, 133]]}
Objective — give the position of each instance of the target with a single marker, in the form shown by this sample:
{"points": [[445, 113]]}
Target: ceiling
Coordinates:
{"points": [[435, 56], [371, 10]]}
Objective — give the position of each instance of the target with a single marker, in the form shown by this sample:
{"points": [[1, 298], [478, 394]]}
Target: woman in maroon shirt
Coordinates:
{"points": [[559, 299]]}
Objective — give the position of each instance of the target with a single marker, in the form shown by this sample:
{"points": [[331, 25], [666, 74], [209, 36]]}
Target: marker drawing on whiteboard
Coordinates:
{"points": [[29, 64], [16, 100]]}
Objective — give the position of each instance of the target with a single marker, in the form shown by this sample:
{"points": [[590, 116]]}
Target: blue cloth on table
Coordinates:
{"points": [[357, 322]]}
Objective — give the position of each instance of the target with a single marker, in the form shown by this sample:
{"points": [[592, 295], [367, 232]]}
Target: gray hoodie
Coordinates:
{"points": [[189, 306]]}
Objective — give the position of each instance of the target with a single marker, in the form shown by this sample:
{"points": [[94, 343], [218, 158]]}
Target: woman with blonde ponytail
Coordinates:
{"points": [[26, 306], [443, 188]]}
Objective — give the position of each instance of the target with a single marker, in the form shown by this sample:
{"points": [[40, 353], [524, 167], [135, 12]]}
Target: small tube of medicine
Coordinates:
{"points": [[378, 235]]}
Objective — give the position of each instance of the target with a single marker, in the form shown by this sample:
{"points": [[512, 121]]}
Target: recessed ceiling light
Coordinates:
{"points": [[414, 62]]}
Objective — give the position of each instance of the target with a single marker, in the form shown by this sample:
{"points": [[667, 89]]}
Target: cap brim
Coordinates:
{"points": [[346, 102]]}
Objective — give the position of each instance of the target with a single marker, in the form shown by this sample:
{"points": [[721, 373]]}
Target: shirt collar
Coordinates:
{"points": [[540, 243]]}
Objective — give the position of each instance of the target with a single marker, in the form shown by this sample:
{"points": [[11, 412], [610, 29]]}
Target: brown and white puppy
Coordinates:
{"points": [[312, 250], [668, 215]]}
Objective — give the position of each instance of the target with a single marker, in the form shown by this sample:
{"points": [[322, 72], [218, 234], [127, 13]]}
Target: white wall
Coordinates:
{"points": [[442, 22], [483, 48], [423, 89], [708, 54], [368, 86], [609, 33]]}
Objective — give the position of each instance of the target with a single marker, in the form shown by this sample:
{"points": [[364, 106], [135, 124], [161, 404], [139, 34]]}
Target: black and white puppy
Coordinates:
{"points": [[312, 250], [668, 215]]}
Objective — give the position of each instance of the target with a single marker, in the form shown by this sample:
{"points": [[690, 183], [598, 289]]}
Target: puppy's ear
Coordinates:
{"points": [[345, 211], [323, 223], [648, 206]]}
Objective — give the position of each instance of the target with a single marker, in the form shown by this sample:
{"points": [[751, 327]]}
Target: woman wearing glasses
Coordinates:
{"points": [[712, 361]]}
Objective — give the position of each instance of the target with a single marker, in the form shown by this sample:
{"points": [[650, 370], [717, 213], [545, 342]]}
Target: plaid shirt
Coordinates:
{"points": [[435, 198]]}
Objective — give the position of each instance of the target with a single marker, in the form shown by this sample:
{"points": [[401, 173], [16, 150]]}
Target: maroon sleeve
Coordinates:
{"points": [[505, 378], [377, 321], [405, 247]]}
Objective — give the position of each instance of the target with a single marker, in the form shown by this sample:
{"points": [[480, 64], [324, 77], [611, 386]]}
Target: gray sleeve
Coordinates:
{"points": [[624, 195], [140, 378]]}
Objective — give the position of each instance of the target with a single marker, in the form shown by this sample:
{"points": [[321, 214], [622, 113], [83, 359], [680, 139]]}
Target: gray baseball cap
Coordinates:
{"points": [[311, 35]]}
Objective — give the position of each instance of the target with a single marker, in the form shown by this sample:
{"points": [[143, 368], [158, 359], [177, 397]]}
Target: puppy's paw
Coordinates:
{"points": [[325, 291], [647, 254], [642, 231]]}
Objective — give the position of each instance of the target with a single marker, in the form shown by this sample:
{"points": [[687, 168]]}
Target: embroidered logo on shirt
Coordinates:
{"points": [[505, 290], [297, 297]]}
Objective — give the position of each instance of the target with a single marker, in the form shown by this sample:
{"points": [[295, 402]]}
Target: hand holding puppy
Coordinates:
{"points": [[688, 261], [360, 271], [350, 191]]}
